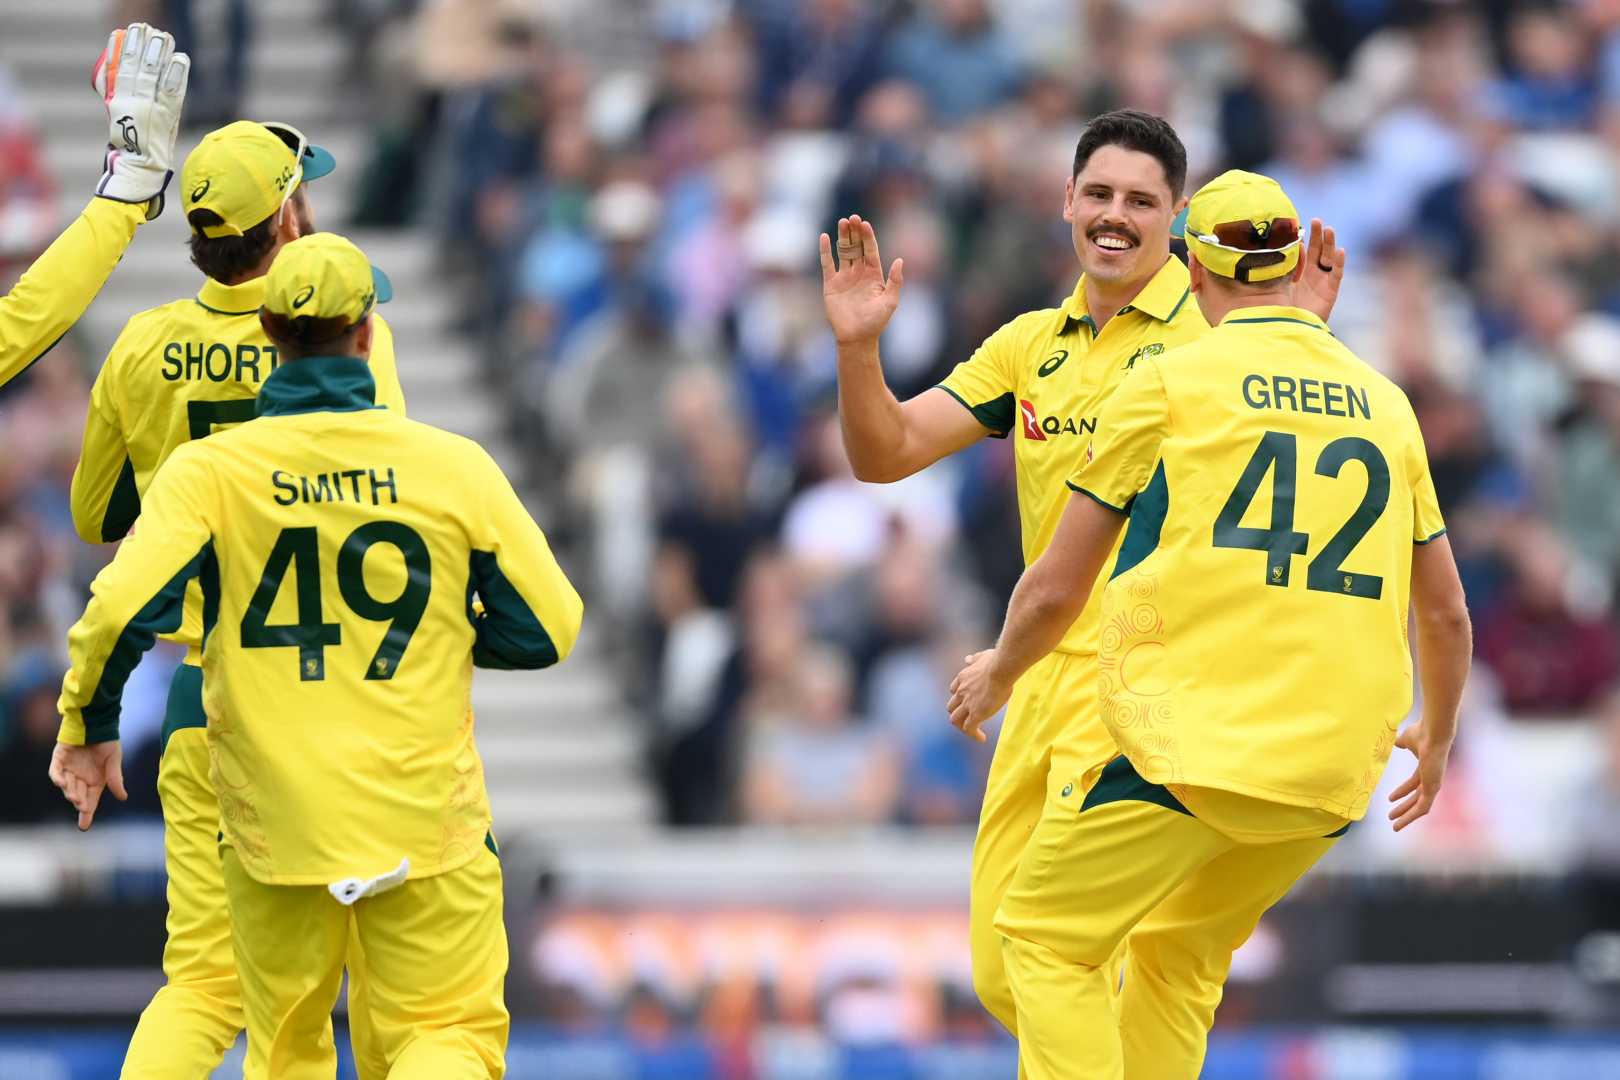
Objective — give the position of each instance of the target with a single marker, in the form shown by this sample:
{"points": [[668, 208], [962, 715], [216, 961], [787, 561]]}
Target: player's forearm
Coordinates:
{"points": [[870, 415], [1042, 609], [1445, 644], [60, 284]]}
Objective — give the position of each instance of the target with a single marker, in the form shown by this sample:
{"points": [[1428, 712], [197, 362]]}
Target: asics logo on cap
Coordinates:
{"points": [[303, 296], [130, 134], [201, 189]]}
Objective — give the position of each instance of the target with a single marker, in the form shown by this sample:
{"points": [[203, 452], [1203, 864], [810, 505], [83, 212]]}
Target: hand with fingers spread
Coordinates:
{"points": [[977, 694], [143, 82], [1324, 271], [83, 772], [1415, 796], [859, 301]]}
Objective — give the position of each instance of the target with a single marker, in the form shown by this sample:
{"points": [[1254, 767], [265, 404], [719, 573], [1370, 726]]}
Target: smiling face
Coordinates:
{"points": [[1119, 208]]}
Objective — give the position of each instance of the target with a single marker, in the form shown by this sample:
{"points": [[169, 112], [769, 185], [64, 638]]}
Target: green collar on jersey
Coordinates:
{"points": [[318, 384]]}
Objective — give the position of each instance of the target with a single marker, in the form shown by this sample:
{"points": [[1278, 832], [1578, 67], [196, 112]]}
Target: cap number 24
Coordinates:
{"points": [[1278, 454]]}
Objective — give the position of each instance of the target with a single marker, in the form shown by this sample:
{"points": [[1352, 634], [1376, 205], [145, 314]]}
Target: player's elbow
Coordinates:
{"points": [[87, 524], [1447, 620], [566, 626], [878, 468]]}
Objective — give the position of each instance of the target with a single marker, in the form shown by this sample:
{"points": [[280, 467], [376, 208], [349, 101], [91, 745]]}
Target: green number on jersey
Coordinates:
{"points": [[204, 416], [1280, 542], [404, 612], [297, 549], [1325, 573]]}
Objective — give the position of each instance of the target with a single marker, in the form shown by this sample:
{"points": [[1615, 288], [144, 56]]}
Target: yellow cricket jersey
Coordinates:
{"points": [[59, 286], [340, 548], [1253, 632], [176, 373], [1045, 376]]}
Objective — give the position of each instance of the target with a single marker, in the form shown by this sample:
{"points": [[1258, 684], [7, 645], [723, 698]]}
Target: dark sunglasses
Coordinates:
{"points": [[1277, 236]]}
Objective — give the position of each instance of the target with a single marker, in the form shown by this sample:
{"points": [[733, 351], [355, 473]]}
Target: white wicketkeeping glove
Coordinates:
{"points": [[143, 81]]}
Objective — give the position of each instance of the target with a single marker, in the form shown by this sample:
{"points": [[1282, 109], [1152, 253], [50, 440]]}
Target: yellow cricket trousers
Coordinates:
{"points": [[436, 958], [1124, 856], [194, 1018], [1052, 732]]}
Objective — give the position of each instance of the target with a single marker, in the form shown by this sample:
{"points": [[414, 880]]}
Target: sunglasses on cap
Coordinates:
{"points": [[1278, 235], [299, 145]]}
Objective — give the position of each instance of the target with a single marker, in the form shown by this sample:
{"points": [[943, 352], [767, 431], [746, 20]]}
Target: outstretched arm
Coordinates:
{"points": [[886, 439], [1049, 597]]}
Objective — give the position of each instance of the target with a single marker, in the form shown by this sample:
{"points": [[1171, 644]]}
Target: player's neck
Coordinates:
{"points": [[1105, 299], [1217, 304]]}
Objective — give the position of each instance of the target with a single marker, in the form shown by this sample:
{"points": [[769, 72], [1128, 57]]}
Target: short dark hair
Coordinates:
{"points": [[227, 259], [296, 338], [1133, 129]]}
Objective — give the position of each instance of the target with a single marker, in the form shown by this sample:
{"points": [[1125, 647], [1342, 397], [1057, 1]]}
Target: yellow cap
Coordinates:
{"points": [[324, 276], [245, 171], [1237, 196]]}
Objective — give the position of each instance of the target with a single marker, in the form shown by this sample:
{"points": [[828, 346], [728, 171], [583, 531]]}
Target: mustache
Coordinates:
{"points": [[1113, 230]]}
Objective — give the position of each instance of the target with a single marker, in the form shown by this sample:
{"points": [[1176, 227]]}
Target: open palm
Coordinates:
{"points": [[859, 301]]}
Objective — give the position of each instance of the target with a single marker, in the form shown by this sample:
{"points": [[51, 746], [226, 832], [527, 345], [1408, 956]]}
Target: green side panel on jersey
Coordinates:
{"points": [[489, 842], [1148, 510], [185, 705], [123, 507], [1120, 782], [161, 615], [997, 414]]}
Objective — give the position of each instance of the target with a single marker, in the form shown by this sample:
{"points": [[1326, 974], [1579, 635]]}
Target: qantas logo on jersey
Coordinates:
{"points": [[1038, 428]]}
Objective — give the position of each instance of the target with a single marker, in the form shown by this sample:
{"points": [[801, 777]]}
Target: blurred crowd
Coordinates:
{"points": [[628, 194], [631, 207]]}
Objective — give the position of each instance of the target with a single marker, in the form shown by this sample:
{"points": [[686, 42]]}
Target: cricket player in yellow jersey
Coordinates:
{"points": [[177, 373], [343, 551], [1253, 661], [1041, 379], [142, 80]]}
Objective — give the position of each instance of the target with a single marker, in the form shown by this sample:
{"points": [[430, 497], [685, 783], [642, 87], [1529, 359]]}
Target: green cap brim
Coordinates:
{"points": [[1178, 227], [318, 161], [384, 287]]}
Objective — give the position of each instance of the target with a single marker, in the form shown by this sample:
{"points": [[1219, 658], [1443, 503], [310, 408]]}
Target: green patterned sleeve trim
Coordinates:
{"points": [[1431, 538]]}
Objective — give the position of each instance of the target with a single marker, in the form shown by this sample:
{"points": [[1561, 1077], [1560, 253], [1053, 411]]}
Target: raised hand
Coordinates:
{"points": [[142, 80], [1324, 271], [859, 301]]}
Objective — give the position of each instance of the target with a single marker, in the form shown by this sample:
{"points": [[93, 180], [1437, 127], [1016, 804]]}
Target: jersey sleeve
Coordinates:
{"points": [[531, 613], [137, 596], [1130, 432], [384, 371], [1427, 522], [986, 384], [60, 284], [104, 498]]}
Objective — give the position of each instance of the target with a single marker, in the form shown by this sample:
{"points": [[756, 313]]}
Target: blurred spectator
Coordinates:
{"points": [[1548, 83], [1589, 447], [810, 761], [26, 740], [816, 58], [27, 193], [956, 54], [1550, 643]]}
